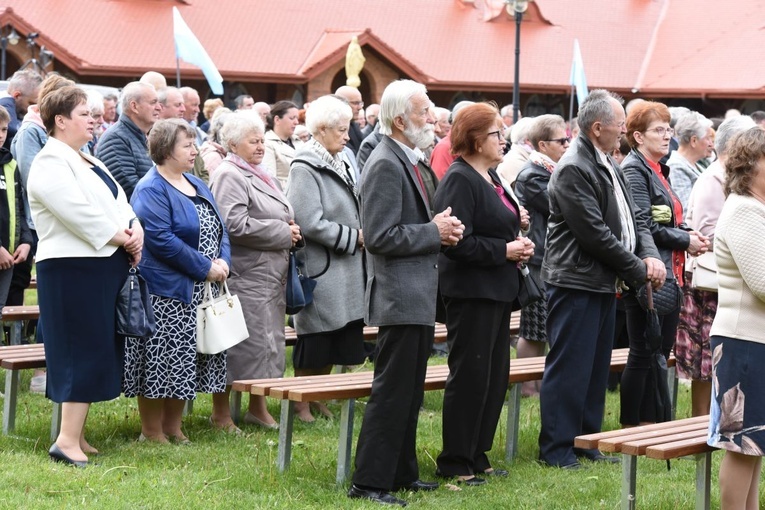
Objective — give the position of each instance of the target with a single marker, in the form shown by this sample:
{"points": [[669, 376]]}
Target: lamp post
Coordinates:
{"points": [[6, 37], [517, 8]]}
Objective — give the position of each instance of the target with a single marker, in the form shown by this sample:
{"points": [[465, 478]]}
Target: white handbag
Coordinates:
{"points": [[705, 272], [220, 322]]}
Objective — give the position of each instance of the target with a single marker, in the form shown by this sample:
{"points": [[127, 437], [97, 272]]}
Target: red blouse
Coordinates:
{"points": [[678, 256]]}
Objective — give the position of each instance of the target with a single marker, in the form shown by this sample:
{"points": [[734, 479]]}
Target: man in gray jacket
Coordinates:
{"points": [[402, 240], [123, 147]]}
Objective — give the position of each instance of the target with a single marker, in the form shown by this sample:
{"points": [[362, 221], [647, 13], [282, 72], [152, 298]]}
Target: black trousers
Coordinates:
{"points": [[479, 363], [22, 275], [637, 391], [385, 453], [580, 329]]}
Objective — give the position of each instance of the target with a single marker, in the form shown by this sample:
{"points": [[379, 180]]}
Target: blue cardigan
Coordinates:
{"points": [[170, 261]]}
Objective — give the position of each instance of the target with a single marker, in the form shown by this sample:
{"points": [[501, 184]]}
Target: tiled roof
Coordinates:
{"points": [[686, 47]]}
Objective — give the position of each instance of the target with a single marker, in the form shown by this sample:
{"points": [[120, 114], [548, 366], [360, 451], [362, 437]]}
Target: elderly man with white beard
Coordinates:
{"points": [[402, 239]]}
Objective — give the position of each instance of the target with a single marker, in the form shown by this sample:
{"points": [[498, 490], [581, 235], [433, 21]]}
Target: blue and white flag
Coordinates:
{"points": [[189, 49], [578, 79]]}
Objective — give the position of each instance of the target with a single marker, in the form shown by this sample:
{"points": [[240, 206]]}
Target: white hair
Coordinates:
{"points": [[239, 125], [519, 133], [133, 91], [397, 101], [728, 129], [691, 124], [327, 111], [95, 101]]}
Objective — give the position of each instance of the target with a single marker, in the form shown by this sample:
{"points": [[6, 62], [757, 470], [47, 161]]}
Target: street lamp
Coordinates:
{"points": [[5, 38], [517, 8]]}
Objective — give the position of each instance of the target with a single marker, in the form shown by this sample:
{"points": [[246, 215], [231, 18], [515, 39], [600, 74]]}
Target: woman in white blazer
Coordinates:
{"points": [[89, 237]]}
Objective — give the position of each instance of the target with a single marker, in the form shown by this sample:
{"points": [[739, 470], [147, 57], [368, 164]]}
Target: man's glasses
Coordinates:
{"points": [[662, 131], [562, 141]]}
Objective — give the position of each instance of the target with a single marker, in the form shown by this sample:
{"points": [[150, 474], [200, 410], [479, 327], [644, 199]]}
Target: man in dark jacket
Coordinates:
{"points": [[353, 96], [23, 88], [123, 147], [594, 245]]}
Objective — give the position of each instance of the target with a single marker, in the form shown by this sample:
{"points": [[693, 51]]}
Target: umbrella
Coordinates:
{"points": [[662, 402]]}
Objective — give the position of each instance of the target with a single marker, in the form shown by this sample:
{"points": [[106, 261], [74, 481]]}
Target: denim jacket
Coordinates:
{"points": [[171, 262]]}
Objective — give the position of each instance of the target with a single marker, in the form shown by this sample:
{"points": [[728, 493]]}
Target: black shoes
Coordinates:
{"points": [[574, 466], [57, 455], [504, 473], [416, 486], [376, 495]]}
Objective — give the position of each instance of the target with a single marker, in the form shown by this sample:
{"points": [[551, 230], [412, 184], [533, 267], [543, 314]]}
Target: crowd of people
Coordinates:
{"points": [[401, 212]]}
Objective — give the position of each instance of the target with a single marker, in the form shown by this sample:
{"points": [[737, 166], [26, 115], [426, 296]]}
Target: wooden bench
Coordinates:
{"points": [[532, 369], [663, 441], [13, 359], [17, 316], [350, 386]]}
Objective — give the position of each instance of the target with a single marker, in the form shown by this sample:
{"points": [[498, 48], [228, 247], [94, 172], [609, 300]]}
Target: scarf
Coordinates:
{"points": [[257, 170], [539, 159], [335, 162]]}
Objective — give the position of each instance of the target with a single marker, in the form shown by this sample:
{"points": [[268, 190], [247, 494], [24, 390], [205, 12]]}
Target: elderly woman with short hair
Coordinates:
{"points": [[737, 418], [260, 222], [326, 201], [186, 245], [657, 205], [696, 138]]}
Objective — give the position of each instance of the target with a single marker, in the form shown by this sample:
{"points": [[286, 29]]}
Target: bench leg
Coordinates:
{"points": [[629, 476], [235, 405], [346, 437], [513, 420], [16, 329], [55, 422], [188, 408], [673, 384], [286, 419], [11, 395], [703, 480]]}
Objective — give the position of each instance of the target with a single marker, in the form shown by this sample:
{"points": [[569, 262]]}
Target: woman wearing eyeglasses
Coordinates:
{"points": [[696, 138], [648, 133], [548, 136], [479, 282]]}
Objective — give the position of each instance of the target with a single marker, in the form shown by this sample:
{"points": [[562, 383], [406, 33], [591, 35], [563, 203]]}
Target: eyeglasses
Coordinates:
{"points": [[562, 141], [496, 133], [662, 131], [356, 103]]}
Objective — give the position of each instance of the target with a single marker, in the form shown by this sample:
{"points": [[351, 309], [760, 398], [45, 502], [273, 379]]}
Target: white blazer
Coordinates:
{"points": [[74, 211]]}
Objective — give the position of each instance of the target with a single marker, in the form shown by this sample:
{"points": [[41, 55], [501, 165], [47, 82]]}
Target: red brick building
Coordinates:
{"points": [[689, 52]]}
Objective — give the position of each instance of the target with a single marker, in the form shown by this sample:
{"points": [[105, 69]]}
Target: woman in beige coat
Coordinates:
{"points": [[281, 142], [260, 223]]}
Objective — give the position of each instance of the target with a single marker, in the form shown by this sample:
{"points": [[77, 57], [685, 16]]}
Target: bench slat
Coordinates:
{"points": [[639, 447], [591, 440], [681, 448], [613, 445]]}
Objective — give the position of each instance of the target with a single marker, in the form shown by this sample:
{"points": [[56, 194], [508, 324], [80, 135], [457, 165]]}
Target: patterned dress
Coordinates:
{"points": [[167, 365]]}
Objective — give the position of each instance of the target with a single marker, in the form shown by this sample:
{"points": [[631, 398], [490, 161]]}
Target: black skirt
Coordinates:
{"points": [[344, 346], [83, 353]]}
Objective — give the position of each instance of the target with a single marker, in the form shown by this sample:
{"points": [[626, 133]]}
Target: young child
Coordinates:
{"points": [[15, 237]]}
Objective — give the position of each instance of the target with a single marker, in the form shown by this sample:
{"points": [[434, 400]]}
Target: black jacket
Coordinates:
{"points": [[22, 234], [531, 190], [647, 190], [477, 267], [355, 137], [584, 249]]}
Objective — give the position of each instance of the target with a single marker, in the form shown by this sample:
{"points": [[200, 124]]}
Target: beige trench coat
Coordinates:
{"points": [[256, 217]]}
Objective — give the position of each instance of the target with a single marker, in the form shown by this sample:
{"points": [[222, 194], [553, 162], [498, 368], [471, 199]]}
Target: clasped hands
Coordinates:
{"points": [[134, 243], [699, 244], [450, 228], [520, 250]]}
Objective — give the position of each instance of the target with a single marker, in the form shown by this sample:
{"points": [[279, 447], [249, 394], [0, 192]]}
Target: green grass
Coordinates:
{"points": [[220, 472]]}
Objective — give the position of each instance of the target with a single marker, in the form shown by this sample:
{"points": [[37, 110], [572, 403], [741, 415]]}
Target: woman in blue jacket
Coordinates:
{"points": [[186, 244]]}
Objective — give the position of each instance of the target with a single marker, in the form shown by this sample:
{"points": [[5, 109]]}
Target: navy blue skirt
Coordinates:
{"points": [[83, 353], [737, 415]]}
